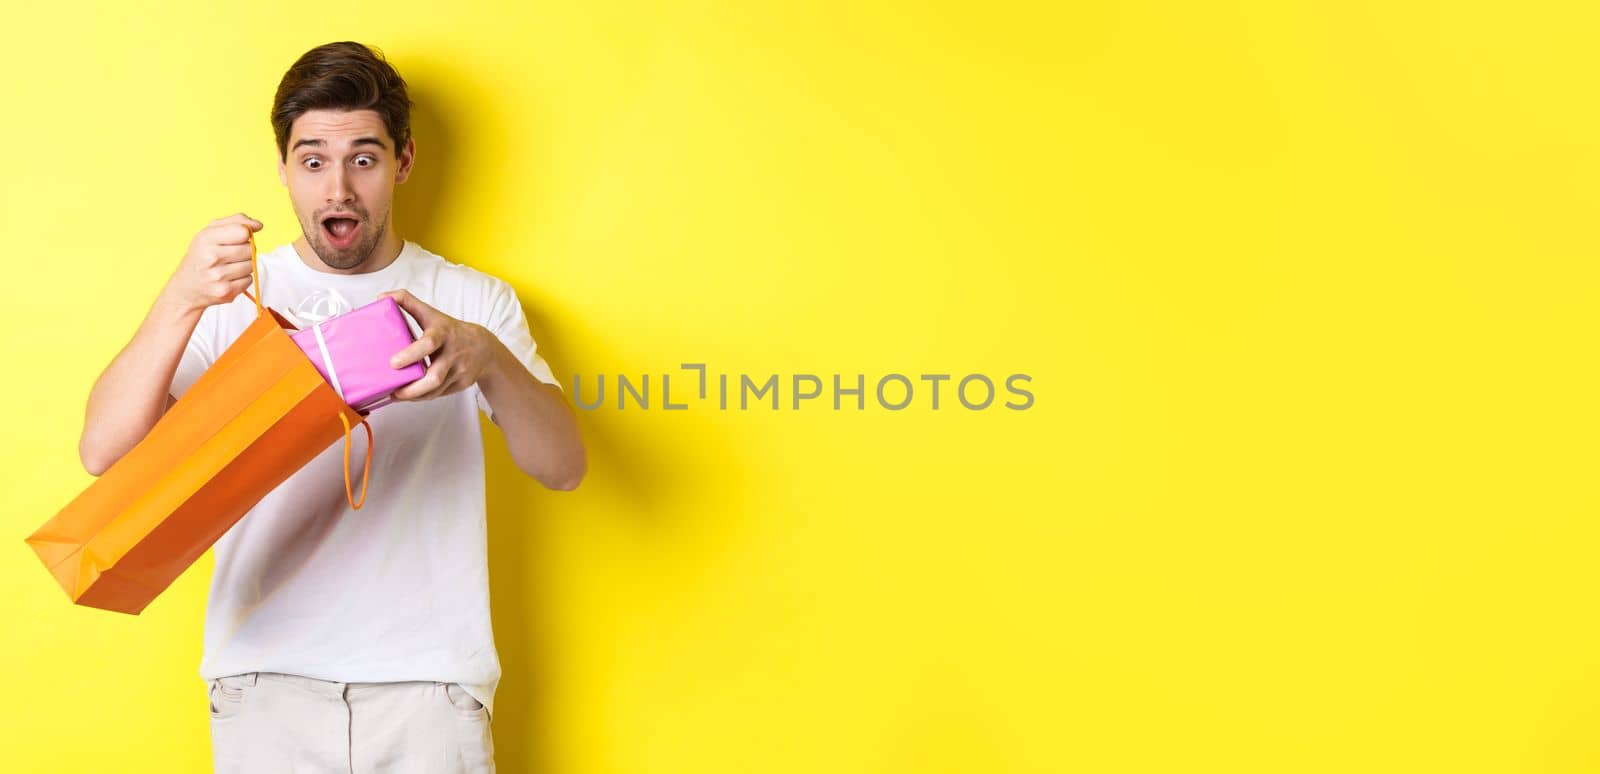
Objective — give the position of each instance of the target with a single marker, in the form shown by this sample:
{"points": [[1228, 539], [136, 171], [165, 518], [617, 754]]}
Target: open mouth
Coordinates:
{"points": [[341, 231]]}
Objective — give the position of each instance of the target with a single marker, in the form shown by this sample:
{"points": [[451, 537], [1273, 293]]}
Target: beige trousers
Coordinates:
{"points": [[266, 722]]}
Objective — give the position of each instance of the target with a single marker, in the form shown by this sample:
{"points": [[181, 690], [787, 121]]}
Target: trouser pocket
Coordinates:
{"points": [[228, 695]]}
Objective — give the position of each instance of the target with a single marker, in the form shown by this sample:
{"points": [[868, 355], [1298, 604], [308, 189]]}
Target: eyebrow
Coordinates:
{"points": [[316, 143]]}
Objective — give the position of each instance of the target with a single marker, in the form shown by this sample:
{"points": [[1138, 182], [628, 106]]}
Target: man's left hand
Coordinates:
{"points": [[461, 351]]}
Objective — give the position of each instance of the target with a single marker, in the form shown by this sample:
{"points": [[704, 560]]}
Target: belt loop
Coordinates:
{"points": [[250, 679]]}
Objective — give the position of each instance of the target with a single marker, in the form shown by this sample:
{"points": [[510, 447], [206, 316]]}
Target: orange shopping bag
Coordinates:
{"points": [[259, 414]]}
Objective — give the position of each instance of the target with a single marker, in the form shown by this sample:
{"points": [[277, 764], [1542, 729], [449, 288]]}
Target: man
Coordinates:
{"points": [[338, 640]]}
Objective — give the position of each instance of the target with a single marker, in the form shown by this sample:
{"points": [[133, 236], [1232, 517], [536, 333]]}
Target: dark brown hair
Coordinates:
{"points": [[342, 76]]}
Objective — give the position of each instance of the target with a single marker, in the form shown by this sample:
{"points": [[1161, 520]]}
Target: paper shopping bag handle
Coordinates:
{"points": [[255, 276], [366, 468]]}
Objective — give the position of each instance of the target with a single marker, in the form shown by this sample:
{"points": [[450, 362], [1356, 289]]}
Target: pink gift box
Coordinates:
{"points": [[352, 352]]}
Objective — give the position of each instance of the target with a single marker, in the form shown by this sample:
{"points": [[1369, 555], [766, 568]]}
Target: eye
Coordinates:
{"points": [[365, 161], [313, 163]]}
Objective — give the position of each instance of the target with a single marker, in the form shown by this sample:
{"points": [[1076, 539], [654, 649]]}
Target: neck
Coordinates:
{"points": [[387, 250]]}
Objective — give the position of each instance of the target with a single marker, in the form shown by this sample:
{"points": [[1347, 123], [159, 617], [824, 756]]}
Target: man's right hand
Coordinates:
{"points": [[217, 267]]}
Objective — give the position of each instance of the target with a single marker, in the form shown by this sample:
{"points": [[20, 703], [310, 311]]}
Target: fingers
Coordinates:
{"points": [[425, 345], [232, 254], [217, 265], [222, 246], [420, 391], [424, 314], [239, 218], [429, 382], [232, 230], [450, 387], [234, 270], [232, 288], [229, 234]]}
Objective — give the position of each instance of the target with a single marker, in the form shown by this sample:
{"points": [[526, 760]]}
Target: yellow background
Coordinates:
{"points": [[1305, 293]]}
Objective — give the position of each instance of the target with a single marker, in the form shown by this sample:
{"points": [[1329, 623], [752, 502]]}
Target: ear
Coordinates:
{"points": [[408, 156], [283, 169]]}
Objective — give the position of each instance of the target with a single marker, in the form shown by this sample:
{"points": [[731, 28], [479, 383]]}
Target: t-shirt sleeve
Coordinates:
{"points": [[509, 323], [198, 354]]}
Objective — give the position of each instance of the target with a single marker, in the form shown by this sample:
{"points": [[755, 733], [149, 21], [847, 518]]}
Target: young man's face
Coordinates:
{"points": [[341, 172]]}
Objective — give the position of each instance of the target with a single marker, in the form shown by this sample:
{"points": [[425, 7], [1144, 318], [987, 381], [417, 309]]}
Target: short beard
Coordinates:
{"points": [[344, 260]]}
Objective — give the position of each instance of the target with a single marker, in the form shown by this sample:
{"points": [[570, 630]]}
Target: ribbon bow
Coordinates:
{"points": [[324, 304]]}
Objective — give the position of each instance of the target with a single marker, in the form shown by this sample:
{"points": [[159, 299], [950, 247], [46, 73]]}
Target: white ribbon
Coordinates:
{"points": [[324, 304], [327, 360], [314, 310]]}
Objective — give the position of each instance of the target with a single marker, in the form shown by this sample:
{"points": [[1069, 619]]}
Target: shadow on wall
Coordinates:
{"points": [[425, 196]]}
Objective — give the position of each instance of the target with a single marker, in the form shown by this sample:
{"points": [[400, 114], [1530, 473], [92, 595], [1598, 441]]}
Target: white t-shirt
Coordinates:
{"points": [[398, 590]]}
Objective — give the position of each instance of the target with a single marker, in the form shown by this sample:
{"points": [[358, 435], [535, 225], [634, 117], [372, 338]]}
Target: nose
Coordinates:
{"points": [[338, 190]]}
